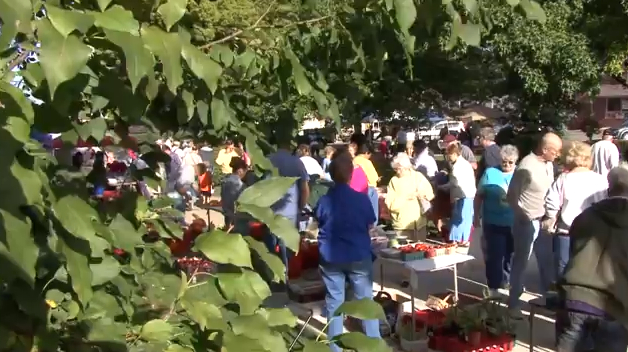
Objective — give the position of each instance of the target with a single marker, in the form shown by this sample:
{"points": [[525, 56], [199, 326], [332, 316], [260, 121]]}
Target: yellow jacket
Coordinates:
{"points": [[405, 209], [224, 159], [369, 169]]}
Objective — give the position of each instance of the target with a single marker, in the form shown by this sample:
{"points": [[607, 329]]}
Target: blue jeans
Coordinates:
{"points": [[577, 331], [526, 239], [272, 242], [374, 197], [561, 253], [335, 277], [498, 251], [461, 220]]}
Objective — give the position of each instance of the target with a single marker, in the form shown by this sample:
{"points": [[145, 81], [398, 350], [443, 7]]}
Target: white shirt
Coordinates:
{"points": [[312, 166], [571, 194], [425, 164], [605, 155], [462, 180]]}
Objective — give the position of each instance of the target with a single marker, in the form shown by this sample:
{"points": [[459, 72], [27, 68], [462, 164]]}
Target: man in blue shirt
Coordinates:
{"points": [[290, 206], [344, 218]]}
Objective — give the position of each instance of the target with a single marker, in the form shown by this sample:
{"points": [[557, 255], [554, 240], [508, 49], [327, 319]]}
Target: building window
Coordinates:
{"points": [[613, 104]]}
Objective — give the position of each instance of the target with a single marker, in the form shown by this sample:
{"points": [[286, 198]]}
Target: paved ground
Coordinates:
{"points": [[471, 279]]}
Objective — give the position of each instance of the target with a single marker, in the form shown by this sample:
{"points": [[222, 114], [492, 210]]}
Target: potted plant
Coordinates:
{"points": [[412, 338], [472, 324]]}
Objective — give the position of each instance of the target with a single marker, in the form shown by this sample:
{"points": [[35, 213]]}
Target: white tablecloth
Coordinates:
{"points": [[438, 263]]}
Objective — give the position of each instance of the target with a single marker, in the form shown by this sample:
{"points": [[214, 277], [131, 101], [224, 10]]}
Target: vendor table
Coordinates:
{"points": [[426, 265]]}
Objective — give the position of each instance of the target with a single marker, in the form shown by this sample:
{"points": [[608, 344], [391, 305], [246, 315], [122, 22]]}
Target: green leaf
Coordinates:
{"points": [[102, 4], [61, 57], [315, 346], [126, 236], [533, 10], [104, 271], [298, 72], [77, 266], [364, 309], [118, 19], [97, 128], [254, 326], [470, 33], [513, 3], [221, 114], [222, 53], [405, 14], [278, 225], [167, 46], [139, 61], [224, 248], [270, 260], [106, 330], [356, 341], [178, 348], [16, 17], [203, 66], [15, 103], [280, 317], [156, 330], [247, 289], [18, 251], [188, 99], [76, 216], [205, 314], [267, 192], [68, 21], [184, 285], [172, 11], [22, 187], [203, 111]]}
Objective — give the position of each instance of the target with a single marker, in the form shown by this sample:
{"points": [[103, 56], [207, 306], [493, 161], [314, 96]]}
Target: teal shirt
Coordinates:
{"points": [[493, 186]]}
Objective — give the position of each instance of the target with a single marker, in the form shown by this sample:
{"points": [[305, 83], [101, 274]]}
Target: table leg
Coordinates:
{"points": [[455, 283], [412, 305], [381, 275], [531, 327]]}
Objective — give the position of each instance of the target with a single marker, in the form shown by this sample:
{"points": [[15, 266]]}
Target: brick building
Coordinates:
{"points": [[610, 107]]}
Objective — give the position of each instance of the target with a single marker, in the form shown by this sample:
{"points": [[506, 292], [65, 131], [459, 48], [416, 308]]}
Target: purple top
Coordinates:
{"points": [[359, 181]]}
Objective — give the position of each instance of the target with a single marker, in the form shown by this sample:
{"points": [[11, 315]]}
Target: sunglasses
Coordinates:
{"points": [[508, 162]]}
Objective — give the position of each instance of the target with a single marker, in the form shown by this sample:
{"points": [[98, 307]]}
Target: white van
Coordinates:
{"points": [[433, 132]]}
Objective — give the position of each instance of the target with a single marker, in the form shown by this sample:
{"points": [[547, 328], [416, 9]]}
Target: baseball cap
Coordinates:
{"points": [[448, 139]]}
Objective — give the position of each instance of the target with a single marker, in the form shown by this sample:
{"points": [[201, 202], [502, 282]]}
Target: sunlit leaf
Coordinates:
{"points": [[68, 21], [167, 46], [225, 248], [139, 61], [61, 57], [172, 11]]}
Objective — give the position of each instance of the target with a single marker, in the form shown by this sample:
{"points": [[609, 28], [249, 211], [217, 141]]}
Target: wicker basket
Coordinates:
{"points": [[438, 304]]}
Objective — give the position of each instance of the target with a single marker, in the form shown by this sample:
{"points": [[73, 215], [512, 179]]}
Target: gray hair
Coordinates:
{"points": [[618, 180], [401, 161], [487, 133], [509, 151]]}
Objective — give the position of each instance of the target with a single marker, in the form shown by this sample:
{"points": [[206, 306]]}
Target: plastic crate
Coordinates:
{"points": [[447, 343], [408, 257]]}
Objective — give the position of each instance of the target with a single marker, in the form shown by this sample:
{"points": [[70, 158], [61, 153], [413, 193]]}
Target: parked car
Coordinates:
{"points": [[433, 132]]}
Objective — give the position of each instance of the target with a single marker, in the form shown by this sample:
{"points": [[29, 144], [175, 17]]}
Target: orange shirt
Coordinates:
{"points": [[205, 182]]}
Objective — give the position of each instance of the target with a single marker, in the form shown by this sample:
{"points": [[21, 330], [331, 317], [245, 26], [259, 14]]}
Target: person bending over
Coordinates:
{"points": [[344, 218], [593, 288]]}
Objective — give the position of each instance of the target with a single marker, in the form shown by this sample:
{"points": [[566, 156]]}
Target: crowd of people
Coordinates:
{"points": [[572, 221]]}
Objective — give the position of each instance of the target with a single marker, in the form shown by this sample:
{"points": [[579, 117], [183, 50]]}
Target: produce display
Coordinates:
{"points": [[418, 251]]}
